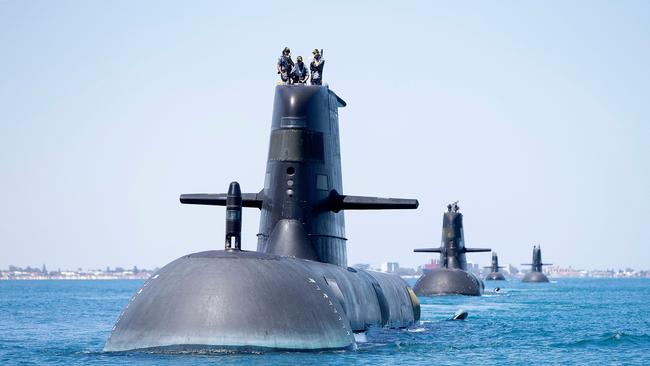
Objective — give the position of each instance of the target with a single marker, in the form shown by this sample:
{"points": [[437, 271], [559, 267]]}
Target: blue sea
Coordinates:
{"points": [[568, 321]]}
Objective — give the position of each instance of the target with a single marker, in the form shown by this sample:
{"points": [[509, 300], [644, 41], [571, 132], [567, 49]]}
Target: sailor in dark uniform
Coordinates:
{"points": [[299, 74], [316, 68], [285, 65]]}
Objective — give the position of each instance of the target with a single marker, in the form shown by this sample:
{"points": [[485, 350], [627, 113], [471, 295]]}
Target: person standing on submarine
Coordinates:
{"points": [[285, 65], [316, 68], [299, 74]]}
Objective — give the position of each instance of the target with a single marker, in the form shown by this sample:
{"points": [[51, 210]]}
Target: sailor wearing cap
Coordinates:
{"points": [[285, 65], [316, 68]]}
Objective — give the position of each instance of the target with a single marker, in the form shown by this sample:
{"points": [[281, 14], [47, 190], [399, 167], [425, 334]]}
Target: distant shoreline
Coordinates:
{"points": [[145, 278], [75, 279]]}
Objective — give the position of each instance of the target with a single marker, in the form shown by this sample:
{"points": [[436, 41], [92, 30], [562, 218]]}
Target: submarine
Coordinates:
{"points": [[452, 278], [536, 274], [494, 274], [296, 291]]}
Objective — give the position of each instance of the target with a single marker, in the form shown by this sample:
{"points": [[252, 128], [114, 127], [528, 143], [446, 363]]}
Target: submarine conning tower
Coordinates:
{"points": [[302, 198], [453, 240], [495, 263], [302, 171], [452, 249], [537, 264], [537, 259]]}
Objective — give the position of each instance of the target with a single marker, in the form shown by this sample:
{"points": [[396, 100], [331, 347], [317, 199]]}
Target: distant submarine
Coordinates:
{"points": [[452, 278], [296, 291], [536, 275], [494, 274]]}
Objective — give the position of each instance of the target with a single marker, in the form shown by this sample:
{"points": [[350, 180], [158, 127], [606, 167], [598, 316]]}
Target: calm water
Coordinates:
{"points": [[572, 321]]}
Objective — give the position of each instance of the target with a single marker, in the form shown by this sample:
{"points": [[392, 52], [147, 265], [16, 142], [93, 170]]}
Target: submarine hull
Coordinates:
{"points": [[535, 277], [448, 282], [239, 299], [495, 276]]}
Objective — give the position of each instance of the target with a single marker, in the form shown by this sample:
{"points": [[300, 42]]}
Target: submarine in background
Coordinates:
{"points": [[296, 291], [536, 274], [452, 278], [494, 274]]}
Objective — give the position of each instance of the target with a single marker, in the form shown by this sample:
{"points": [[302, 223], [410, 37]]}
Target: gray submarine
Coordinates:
{"points": [[494, 274], [452, 278], [536, 274], [295, 292]]}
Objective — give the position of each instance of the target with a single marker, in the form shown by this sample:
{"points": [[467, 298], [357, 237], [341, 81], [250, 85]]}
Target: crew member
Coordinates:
{"points": [[316, 68], [299, 74], [285, 65]]}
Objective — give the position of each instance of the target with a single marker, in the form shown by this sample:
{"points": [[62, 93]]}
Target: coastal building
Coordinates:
{"points": [[390, 267]]}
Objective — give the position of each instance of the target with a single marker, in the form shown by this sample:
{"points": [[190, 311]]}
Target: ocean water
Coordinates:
{"points": [[568, 321]]}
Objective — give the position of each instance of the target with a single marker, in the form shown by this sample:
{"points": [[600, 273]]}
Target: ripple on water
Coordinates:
{"points": [[608, 339]]}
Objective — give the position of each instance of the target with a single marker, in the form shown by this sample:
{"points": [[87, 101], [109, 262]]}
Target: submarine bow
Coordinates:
{"points": [[295, 292]]}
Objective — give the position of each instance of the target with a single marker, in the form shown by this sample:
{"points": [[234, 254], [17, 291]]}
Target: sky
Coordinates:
{"points": [[534, 115]]}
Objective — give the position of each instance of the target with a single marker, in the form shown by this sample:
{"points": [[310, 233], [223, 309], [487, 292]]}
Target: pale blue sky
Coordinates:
{"points": [[534, 114]]}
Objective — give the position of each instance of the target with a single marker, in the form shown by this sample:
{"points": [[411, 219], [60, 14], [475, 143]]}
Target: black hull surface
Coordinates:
{"points": [[448, 282], [495, 276], [231, 299], [535, 277]]}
